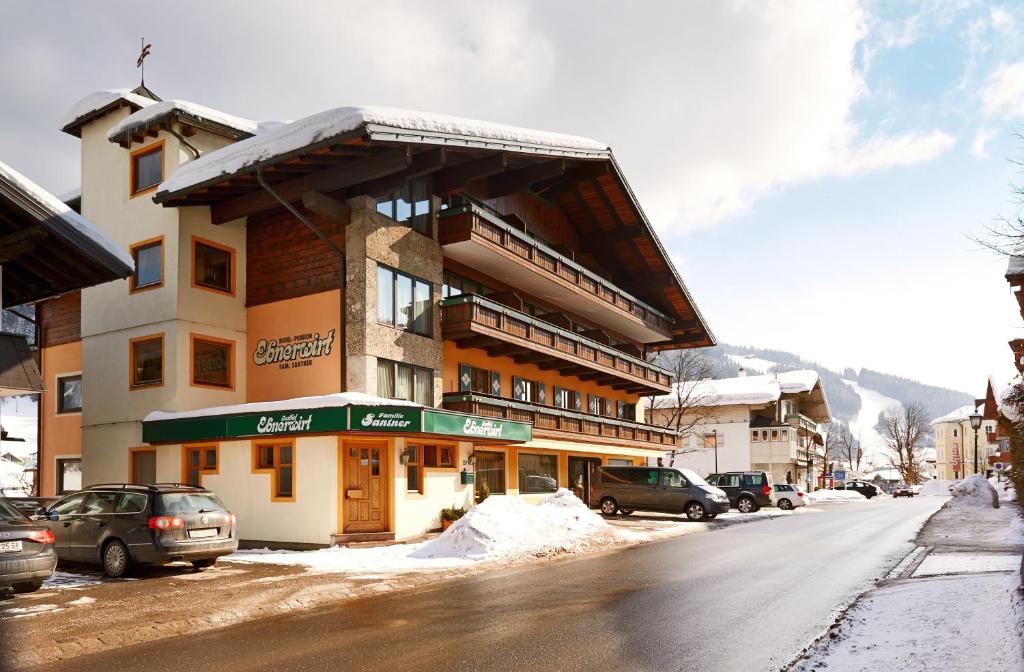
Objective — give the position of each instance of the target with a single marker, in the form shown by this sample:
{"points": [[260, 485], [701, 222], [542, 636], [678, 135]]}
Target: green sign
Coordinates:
{"points": [[381, 419], [287, 422], [476, 427]]}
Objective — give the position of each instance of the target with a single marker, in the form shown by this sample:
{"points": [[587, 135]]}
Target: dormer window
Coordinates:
{"points": [[147, 168]]}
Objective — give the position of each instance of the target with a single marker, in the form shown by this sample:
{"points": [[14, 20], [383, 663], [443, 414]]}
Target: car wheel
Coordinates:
{"points": [[27, 587], [695, 511], [626, 512], [746, 505], [609, 506], [115, 559], [785, 504], [203, 564]]}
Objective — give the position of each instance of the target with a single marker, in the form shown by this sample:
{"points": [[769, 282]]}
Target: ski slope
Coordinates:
{"points": [[872, 403]]}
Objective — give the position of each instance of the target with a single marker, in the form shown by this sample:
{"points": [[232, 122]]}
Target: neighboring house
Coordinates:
{"points": [[346, 323], [955, 438], [768, 422]]}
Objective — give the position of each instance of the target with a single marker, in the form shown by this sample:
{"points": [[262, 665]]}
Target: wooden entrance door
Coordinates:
{"points": [[366, 487]]}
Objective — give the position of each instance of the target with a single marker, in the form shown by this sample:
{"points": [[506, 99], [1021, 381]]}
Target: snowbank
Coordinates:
{"points": [[1004, 488], [835, 496], [975, 491], [500, 528], [936, 488]]}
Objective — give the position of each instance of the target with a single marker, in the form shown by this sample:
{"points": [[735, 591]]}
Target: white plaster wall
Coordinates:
{"points": [[104, 460], [417, 513]]}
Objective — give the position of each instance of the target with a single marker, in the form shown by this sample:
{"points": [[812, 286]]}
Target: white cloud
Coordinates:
{"points": [[1002, 20], [888, 151], [979, 146], [1003, 93]]}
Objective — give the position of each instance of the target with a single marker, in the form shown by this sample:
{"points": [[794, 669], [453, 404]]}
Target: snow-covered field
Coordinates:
{"points": [[835, 496], [876, 454]]}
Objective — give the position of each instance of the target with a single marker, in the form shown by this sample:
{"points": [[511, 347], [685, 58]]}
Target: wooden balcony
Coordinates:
{"points": [[477, 238], [558, 423], [476, 322]]}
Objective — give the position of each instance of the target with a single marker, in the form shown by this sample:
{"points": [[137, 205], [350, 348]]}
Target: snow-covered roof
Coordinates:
{"points": [[959, 415], [97, 102], [746, 390], [379, 123], [200, 114], [58, 217], [1015, 266], [338, 400]]}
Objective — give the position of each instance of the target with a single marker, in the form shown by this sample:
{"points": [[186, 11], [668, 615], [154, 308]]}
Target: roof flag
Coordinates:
{"points": [[142, 57]]}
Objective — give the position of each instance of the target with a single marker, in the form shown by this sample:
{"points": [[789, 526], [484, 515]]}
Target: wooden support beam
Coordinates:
{"points": [[516, 180], [423, 163], [22, 241], [329, 208], [329, 179], [456, 177]]}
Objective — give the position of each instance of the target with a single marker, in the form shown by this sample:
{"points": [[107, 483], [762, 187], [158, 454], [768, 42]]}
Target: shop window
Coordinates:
{"points": [[396, 380], [532, 391], [490, 473], [213, 266], [404, 302], [146, 356], [69, 475], [69, 394], [149, 265], [147, 168], [198, 460], [279, 460], [538, 473], [413, 469], [212, 362], [481, 381], [438, 456], [409, 205]]}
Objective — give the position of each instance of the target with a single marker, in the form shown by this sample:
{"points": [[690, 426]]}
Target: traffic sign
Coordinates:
{"points": [[840, 475], [998, 466]]}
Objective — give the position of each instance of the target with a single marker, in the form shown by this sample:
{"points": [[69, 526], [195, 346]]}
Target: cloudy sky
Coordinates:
{"points": [[815, 168]]}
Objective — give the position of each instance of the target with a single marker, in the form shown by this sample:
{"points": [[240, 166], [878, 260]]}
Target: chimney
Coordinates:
{"points": [[742, 373]]}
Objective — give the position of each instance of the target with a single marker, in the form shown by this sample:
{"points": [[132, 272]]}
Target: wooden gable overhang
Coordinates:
{"points": [[587, 186]]}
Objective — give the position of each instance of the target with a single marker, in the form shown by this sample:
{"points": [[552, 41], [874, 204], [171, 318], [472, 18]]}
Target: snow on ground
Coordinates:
{"points": [[500, 528], [876, 452], [947, 624], [62, 580], [1004, 487], [835, 496], [975, 491], [937, 564], [936, 488]]}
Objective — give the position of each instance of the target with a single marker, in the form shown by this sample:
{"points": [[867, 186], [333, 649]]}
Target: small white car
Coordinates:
{"points": [[787, 496]]}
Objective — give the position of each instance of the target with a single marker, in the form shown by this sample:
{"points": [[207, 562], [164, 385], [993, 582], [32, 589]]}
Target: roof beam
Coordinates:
{"points": [[458, 176], [23, 241], [516, 180], [329, 179], [423, 163]]}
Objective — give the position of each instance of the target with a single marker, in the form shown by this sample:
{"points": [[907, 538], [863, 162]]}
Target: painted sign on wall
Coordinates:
{"points": [[289, 352]]}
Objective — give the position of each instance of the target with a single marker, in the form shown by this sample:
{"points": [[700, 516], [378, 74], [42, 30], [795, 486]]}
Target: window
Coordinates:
{"points": [[438, 456], [711, 441], [481, 381], [199, 460], [775, 435], [212, 362], [131, 502], [410, 204], [615, 462], [68, 504], [456, 285], [565, 398], [954, 433], [213, 266], [100, 502], [149, 265], [404, 302], [625, 411], [69, 475], [279, 460], [524, 389], [490, 473], [413, 469], [752, 480], [146, 357], [673, 479], [142, 466], [755, 436], [69, 394], [147, 168], [538, 473], [600, 405], [729, 481], [785, 435], [396, 380]]}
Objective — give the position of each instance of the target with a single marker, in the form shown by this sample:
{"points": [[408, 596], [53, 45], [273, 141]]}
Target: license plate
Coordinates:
{"points": [[10, 546], [202, 534]]}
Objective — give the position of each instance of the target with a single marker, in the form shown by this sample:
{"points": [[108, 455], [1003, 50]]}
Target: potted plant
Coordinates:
{"points": [[450, 515]]}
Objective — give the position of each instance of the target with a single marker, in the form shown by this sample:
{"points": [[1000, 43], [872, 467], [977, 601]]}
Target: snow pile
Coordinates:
{"points": [[835, 496], [509, 528], [975, 491], [1004, 488], [936, 488]]}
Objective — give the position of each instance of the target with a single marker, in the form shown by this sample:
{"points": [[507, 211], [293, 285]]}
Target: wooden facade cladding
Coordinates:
{"points": [[474, 321], [285, 260], [557, 423], [60, 320], [603, 302]]}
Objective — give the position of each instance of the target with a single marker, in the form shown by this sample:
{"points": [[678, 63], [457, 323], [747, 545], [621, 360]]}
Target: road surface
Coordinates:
{"points": [[748, 597]]}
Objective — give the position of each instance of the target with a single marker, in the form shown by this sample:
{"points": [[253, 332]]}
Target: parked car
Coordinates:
{"points": [[903, 491], [118, 525], [869, 490], [787, 496], [660, 489], [27, 557], [747, 490]]}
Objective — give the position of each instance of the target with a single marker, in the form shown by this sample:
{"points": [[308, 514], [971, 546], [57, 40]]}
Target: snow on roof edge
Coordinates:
{"points": [[97, 100], [150, 113], [337, 400]]}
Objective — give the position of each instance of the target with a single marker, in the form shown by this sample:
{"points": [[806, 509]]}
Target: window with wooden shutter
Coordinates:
{"points": [[519, 390], [542, 395], [578, 402], [495, 383], [465, 377]]}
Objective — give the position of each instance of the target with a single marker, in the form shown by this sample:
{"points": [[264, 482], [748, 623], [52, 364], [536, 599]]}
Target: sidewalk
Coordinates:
{"points": [[953, 604]]}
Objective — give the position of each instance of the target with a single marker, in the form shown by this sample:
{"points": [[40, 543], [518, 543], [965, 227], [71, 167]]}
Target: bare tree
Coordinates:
{"points": [[684, 409], [845, 446], [903, 428]]}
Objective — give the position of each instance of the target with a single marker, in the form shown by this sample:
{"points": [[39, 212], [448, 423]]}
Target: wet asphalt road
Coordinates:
{"points": [[748, 597]]}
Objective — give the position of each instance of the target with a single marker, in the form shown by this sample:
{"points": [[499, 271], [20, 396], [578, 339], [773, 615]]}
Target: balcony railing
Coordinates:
{"points": [[551, 419], [801, 421], [462, 223], [475, 320]]}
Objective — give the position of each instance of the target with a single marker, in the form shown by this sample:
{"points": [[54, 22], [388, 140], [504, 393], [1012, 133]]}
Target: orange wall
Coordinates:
{"points": [[300, 377], [60, 434], [506, 367]]}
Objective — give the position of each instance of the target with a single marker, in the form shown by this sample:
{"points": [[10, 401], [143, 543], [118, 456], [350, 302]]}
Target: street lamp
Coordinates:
{"points": [[975, 419], [714, 434]]}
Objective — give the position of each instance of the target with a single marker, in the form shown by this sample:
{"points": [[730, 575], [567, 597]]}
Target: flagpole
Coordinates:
{"points": [[142, 47]]}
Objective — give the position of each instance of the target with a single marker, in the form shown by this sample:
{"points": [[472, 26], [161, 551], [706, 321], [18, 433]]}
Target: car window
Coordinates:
{"points": [[131, 502], [753, 479], [9, 514], [100, 502], [69, 504], [783, 488], [729, 481], [190, 502], [673, 479], [712, 479], [693, 477]]}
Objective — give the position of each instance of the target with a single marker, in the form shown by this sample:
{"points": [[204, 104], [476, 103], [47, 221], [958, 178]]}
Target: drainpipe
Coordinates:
{"points": [[188, 145], [334, 248]]}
